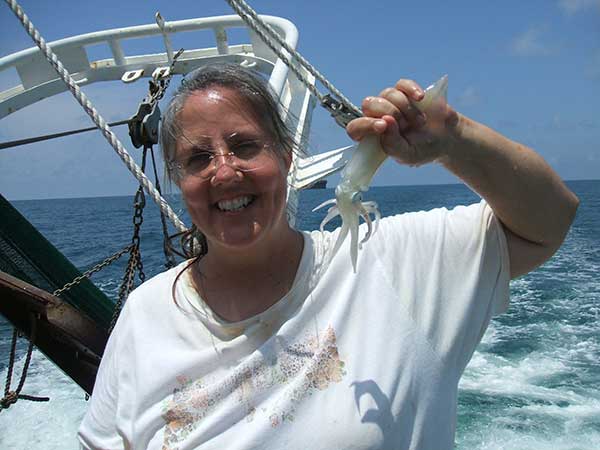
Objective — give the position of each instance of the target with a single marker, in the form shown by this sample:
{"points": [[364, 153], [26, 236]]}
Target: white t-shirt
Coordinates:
{"points": [[344, 361]]}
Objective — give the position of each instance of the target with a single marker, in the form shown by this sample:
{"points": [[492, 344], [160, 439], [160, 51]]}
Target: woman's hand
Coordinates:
{"points": [[408, 135]]}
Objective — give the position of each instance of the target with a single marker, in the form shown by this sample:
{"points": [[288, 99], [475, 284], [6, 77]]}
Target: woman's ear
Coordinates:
{"points": [[285, 162], [288, 160]]}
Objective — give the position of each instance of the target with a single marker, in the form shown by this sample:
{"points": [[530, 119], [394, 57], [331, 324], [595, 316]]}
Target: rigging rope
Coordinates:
{"points": [[47, 137], [96, 117], [11, 397], [251, 18]]}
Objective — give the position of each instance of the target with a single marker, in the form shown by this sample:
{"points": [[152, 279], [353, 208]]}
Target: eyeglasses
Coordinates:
{"points": [[244, 156]]}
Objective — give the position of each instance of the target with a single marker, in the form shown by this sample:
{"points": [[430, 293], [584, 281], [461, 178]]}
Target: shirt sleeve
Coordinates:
{"points": [[99, 428], [455, 265]]}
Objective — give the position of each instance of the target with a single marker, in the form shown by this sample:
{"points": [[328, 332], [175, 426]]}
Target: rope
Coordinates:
{"points": [[255, 25], [46, 137], [11, 362], [251, 18], [96, 117], [11, 397]]}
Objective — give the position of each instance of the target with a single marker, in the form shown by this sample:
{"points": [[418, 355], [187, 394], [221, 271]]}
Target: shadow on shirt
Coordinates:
{"points": [[392, 429]]}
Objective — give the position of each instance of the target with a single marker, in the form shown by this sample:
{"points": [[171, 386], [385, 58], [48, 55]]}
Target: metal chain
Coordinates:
{"points": [[139, 203], [135, 261], [93, 270], [126, 286], [138, 219], [167, 249], [159, 86]]}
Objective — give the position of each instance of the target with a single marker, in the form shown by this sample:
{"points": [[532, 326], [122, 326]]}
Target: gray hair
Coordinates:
{"points": [[254, 91], [258, 101]]}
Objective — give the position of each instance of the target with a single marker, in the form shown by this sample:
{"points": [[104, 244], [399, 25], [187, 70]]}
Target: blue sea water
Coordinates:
{"points": [[534, 382]]}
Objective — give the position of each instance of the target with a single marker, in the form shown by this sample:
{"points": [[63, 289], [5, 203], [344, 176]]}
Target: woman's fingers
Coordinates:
{"points": [[411, 89], [398, 102], [357, 129], [403, 103], [392, 140], [379, 106], [405, 133]]}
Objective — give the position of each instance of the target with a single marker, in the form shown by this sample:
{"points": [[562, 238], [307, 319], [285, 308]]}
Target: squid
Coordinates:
{"points": [[357, 175]]}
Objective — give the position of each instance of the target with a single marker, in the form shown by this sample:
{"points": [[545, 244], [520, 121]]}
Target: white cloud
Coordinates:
{"points": [[469, 97], [574, 6], [531, 42]]}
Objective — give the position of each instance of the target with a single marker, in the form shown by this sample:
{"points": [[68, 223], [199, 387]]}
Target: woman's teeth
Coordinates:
{"points": [[235, 204]]}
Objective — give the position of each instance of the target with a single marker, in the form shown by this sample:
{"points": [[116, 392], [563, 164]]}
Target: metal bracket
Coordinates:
{"points": [[143, 126], [162, 25], [338, 110]]}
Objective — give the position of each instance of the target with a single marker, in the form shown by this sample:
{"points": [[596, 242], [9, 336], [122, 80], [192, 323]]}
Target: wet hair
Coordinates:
{"points": [[257, 100]]}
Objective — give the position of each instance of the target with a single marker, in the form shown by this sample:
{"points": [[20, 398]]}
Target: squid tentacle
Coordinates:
{"points": [[346, 225], [373, 208], [365, 215], [333, 212], [325, 203]]}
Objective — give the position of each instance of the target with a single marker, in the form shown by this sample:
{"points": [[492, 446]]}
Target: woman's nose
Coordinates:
{"points": [[224, 172]]}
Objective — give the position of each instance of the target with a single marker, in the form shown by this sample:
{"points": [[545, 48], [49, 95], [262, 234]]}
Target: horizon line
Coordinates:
{"points": [[329, 188]]}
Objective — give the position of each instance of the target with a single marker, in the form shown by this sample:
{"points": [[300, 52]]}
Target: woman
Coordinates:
{"points": [[267, 341]]}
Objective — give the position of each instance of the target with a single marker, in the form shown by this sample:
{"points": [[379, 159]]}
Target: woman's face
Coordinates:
{"points": [[234, 208]]}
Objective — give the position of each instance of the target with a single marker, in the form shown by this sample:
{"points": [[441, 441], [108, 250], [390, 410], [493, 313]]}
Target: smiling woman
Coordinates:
{"points": [[263, 339], [266, 331]]}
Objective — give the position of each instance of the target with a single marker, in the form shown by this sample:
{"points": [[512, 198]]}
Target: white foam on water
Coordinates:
{"points": [[575, 415], [43, 425], [109, 287], [507, 439], [495, 375], [550, 418], [547, 398]]}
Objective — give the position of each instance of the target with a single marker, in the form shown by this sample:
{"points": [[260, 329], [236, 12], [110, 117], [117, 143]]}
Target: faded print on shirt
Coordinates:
{"points": [[312, 361]]}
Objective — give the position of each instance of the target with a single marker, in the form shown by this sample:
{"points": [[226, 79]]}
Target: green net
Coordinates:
{"points": [[29, 256]]}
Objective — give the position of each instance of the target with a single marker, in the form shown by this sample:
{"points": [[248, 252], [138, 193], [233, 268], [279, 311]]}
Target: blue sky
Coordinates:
{"points": [[530, 70]]}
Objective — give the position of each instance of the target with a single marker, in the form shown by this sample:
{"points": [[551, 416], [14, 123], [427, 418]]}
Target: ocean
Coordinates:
{"points": [[534, 382]]}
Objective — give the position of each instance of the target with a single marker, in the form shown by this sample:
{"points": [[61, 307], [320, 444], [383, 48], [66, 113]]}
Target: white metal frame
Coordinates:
{"points": [[39, 80]]}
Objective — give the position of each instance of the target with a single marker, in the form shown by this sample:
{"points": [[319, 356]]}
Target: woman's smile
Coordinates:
{"points": [[235, 205]]}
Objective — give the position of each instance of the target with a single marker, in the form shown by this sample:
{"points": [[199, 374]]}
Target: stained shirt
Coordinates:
{"points": [[369, 360]]}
